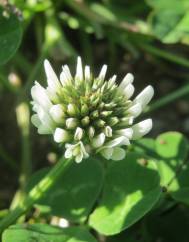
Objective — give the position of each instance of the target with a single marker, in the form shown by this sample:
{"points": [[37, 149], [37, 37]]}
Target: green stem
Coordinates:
{"points": [[36, 193], [169, 98], [164, 54], [23, 120]]}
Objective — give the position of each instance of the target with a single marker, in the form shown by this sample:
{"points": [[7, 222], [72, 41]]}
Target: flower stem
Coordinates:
{"points": [[165, 54], [36, 193], [161, 102]]}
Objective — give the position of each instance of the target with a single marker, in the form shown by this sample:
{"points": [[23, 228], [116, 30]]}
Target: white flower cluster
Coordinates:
{"points": [[87, 114]]}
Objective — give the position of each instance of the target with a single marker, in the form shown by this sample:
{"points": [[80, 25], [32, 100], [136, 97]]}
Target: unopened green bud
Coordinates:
{"points": [[106, 113], [72, 109], [110, 105], [98, 141], [93, 97], [112, 82], [71, 123], [108, 131], [126, 121], [103, 87], [61, 135], [96, 101], [101, 106], [95, 114], [57, 113], [91, 132], [113, 121], [100, 123], [85, 121], [84, 109], [78, 134]]}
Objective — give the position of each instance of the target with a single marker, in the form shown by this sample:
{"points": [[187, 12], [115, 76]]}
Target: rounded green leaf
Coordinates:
{"points": [[131, 190], [10, 36], [181, 193], [178, 5], [46, 233], [172, 148], [75, 193], [145, 146], [165, 30], [172, 145], [168, 31]]}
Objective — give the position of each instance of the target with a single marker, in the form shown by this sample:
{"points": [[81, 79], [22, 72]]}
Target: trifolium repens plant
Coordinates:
{"points": [[89, 115]]}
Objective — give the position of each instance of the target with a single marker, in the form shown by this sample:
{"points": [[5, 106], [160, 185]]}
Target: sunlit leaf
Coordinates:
{"points": [[169, 20], [173, 166], [46, 233], [75, 193], [131, 190], [172, 148]]}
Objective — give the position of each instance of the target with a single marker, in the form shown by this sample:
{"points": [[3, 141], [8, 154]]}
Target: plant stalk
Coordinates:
{"points": [[161, 102], [36, 193]]}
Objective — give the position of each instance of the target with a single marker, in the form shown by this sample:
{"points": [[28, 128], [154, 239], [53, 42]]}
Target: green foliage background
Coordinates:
{"points": [[142, 198]]}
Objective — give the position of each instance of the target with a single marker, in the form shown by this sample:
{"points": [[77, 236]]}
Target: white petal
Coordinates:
{"points": [[63, 223], [128, 91], [141, 128], [79, 158], [128, 79], [79, 69], [68, 146], [57, 113], [78, 134], [108, 131], [103, 72], [145, 96], [44, 129], [65, 76], [98, 140], [51, 94], [122, 140], [40, 96], [125, 132], [87, 73], [71, 123], [85, 154], [45, 118], [63, 79], [112, 81], [72, 109], [61, 135], [91, 131], [77, 150], [52, 79], [67, 72], [118, 154], [35, 120], [107, 153], [33, 103], [36, 106], [135, 110], [68, 153], [127, 120]]}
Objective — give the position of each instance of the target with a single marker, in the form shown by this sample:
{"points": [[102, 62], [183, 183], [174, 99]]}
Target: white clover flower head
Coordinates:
{"points": [[88, 114]]}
